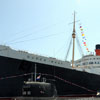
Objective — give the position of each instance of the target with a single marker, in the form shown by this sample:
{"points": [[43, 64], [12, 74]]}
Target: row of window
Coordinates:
{"points": [[88, 59], [94, 58], [94, 62], [86, 63], [26, 92], [91, 63], [42, 59]]}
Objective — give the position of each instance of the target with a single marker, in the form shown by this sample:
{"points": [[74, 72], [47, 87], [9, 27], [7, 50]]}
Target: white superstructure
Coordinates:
{"points": [[6, 51], [89, 63]]}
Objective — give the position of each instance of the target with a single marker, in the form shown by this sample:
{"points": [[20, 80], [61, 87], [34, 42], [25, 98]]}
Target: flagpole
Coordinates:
{"points": [[35, 74]]}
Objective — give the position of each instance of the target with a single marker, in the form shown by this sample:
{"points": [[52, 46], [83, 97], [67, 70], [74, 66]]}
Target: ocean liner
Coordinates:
{"points": [[80, 79]]}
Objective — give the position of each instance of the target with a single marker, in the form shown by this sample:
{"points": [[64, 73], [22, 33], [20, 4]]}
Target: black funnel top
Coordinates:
{"points": [[98, 46]]}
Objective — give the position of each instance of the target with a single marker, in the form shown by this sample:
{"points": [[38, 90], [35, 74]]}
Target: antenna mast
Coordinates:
{"points": [[35, 73], [73, 36]]}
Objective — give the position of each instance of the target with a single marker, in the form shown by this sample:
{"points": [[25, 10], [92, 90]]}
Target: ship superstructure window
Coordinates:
{"points": [[58, 62], [51, 61], [28, 56], [28, 92], [40, 59], [36, 58], [90, 62], [24, 92], [85, 63], [44, 59]]}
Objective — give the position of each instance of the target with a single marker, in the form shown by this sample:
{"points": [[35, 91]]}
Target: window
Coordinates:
{"points": [[51, 61], [28, 56], [83, 63], [90, 62], [37, 58], [24, 92], [44, 59], [40, 59], [28, 92], [61, 63], [58, 62]]}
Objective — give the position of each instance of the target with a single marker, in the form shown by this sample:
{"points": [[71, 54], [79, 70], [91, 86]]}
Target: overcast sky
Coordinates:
{"points": [[44, 26]]}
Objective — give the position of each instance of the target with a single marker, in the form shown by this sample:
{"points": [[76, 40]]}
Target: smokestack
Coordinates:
{"points": [[97, 50]]}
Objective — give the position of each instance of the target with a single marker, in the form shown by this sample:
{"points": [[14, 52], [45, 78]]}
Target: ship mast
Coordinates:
{"points": [[35, 73], [73, 36]]}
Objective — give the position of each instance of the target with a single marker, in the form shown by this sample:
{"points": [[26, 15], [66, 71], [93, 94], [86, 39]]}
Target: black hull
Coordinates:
{"points": [[67, 81]]}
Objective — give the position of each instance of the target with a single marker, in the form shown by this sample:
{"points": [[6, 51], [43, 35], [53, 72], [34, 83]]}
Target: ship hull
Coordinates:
{"points": [[68, 82]]}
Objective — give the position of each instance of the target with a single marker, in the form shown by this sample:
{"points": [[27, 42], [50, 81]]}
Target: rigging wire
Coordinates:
{"points": [[68, 48], [79, 46], [27, 35], [62, 47], [42, 37]]}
